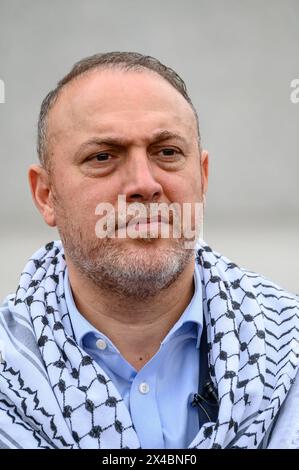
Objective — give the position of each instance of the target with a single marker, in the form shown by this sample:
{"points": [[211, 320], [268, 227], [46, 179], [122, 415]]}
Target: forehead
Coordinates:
{"points": [[112, 99]]}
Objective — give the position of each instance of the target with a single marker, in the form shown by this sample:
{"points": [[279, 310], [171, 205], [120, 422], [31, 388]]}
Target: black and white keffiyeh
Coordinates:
{"points": [[53, 395]]}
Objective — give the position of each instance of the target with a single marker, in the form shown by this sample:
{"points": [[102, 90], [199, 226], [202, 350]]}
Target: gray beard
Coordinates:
{"points": [[127, 272]]}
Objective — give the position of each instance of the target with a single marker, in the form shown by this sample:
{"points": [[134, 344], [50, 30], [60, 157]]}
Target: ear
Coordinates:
{"points": [[204, 165], [39, 181]]}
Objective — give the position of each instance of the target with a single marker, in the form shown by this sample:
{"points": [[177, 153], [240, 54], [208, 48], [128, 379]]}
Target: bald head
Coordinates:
{"points": [[118, 61]]}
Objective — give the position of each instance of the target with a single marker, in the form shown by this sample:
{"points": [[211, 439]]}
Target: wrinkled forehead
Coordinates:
{"points": [[117, 97]]}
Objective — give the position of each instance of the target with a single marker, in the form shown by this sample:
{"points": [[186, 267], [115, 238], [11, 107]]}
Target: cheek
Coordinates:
{"points": [[186, 185], [81, 207], [186, 188], [73, 206], [194, 184]]}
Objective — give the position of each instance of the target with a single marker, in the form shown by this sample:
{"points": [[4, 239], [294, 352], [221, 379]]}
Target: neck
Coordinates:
{"points": [[145, 322]]}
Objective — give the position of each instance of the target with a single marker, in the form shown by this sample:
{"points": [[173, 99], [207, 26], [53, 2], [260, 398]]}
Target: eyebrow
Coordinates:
{"points": [[119, 141]]}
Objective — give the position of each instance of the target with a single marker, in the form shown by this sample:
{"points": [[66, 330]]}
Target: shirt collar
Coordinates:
{"points": [[80, 325], [193, 314]]}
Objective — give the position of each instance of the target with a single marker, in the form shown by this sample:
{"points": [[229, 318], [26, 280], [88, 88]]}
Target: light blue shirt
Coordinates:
{"points": [[159, 395]]}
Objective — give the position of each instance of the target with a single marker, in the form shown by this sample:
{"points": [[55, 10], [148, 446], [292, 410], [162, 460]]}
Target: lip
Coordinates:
{"points": [[141, 225], [142, 221]]}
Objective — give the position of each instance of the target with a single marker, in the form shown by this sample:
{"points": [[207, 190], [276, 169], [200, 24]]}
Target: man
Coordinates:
{"points": [[128, 342]]}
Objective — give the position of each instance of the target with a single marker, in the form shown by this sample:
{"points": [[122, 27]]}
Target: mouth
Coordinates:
{"points": [[143, 222], [149, 223], [147, 227]]}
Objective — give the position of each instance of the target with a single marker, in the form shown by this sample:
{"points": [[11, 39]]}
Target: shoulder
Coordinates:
{"points": [[6, 314], [265, 291], [272, 297], [5, 306], [279, 307], [5, 321], [285, 434]]}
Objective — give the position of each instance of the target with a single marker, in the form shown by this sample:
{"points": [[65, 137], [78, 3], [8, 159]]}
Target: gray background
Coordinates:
{"points": [[238, 59]]}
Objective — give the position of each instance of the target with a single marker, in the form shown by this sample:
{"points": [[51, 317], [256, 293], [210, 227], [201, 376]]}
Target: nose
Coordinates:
{"points": [[141, 184]]}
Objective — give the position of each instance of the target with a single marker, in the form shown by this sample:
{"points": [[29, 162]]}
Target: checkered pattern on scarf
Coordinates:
{"points": [[54, 395]]}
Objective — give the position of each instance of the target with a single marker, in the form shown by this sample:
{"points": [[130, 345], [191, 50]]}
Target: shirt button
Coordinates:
{"points": [[144, 388], [101, 344]]}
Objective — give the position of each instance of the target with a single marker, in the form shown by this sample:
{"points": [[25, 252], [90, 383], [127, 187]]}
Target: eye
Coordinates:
{"points": [[169, 152], [102, 157], [169, 158]]}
